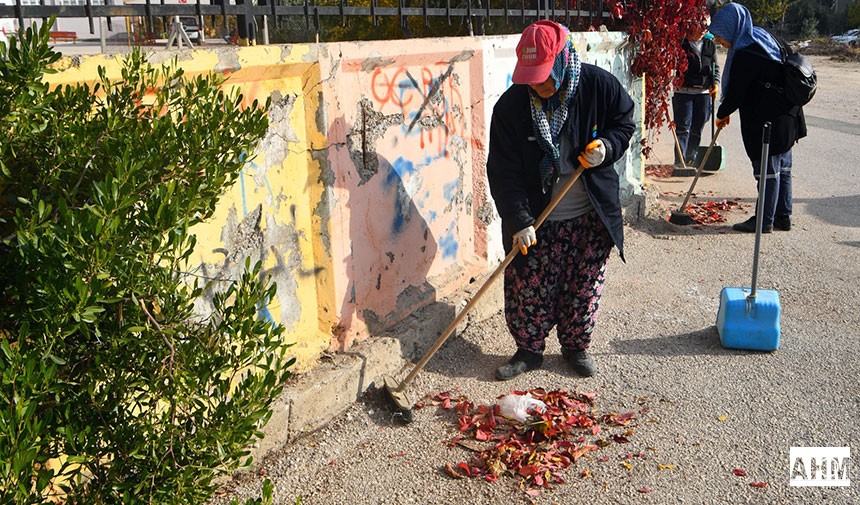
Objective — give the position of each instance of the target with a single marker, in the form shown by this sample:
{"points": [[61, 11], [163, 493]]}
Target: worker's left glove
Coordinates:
{"points": [[593, 155]]}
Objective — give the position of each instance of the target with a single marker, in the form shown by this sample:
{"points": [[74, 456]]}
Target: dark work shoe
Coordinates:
{"points": [[748, 226], [782, 223], [580, 361], [522, 361]]}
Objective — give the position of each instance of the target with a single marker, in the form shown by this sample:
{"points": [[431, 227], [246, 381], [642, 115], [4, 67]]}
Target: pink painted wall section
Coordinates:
{"points": [[402, 146]]}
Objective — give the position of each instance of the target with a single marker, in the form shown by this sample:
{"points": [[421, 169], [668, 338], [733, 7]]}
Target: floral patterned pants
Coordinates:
{"points": [[558, 283]]}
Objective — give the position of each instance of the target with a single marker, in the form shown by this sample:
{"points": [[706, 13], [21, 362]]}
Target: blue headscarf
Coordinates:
{"points": [[734, 23]]}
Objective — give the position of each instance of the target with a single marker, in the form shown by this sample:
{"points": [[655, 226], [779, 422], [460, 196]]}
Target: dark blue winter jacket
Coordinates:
{"points": [[601, 108]]}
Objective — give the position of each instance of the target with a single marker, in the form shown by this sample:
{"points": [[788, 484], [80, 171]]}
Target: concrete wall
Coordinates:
{"points": [[367, 198]]}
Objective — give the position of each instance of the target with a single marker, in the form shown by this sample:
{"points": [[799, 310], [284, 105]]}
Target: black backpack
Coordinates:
{"points": [[801, 83]]}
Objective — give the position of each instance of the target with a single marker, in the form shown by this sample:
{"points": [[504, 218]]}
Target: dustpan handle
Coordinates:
{"points": [[713, 114], [487, 283], [759, 212], [713, 98]]}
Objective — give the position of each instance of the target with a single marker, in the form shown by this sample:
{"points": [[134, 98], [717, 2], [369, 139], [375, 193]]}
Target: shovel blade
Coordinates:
{"points": [[397, 393], [716, 160]]}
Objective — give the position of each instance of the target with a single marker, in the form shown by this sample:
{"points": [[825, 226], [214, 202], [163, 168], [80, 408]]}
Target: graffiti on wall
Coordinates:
{"points": [[409, 194], [428, 98]]}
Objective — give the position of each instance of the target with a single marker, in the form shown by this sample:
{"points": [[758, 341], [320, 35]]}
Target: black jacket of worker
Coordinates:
{"points": [[702, 69], [600, 105], [748, 93]]}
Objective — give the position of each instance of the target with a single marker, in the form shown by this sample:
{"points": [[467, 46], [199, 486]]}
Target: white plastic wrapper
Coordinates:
{"points": [[517, 407]]}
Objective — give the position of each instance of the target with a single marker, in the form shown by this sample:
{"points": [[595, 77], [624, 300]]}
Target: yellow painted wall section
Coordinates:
{"points": [[268, 214]]}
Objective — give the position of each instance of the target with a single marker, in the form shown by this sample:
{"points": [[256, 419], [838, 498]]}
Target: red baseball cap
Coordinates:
{"points": [[539, 45]]}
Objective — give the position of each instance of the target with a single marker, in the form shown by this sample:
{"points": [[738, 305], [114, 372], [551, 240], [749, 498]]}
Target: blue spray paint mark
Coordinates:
{"points": [[401, 167], [432, 216], [449, 190], [448, 245], [263, 311], [244, 200], [399, 221]]}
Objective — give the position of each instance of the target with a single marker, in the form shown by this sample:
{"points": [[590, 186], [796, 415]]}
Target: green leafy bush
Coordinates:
{"points": [[104, 362]]}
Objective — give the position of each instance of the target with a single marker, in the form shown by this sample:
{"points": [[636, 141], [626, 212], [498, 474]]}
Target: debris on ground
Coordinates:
{"points": [[659, 171], [535, 451], [710, 212]]}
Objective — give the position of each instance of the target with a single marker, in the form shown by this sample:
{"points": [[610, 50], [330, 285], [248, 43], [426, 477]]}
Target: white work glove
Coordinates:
{"points": [[593, 155], [525, 238]]}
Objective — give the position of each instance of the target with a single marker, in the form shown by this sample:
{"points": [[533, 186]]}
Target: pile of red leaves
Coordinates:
{"points": [[710, 212], [659, 171], [538, 450]]}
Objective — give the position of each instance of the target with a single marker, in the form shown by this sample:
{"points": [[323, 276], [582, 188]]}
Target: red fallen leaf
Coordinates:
{"points": [[589, 396], [582, 450], [758, 484], [453, 473], [619, 439], [595, 430], [618, 419], [528, 470], [491, 478], [604, 459], [465, 468], [533, 492], [397, 455], [739, 472], [644, 490], [463, 407], [482, 435]]}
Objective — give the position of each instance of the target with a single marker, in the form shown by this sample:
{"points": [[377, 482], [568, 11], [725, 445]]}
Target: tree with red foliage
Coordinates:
{"points": [[655, 29]]}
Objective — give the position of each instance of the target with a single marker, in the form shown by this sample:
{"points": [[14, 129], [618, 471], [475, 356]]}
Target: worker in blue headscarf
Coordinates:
{"points": [[751, 78]]}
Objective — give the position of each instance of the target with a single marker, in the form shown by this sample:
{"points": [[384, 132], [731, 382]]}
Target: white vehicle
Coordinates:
{"points": [[851, 37], [191, 28]]}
